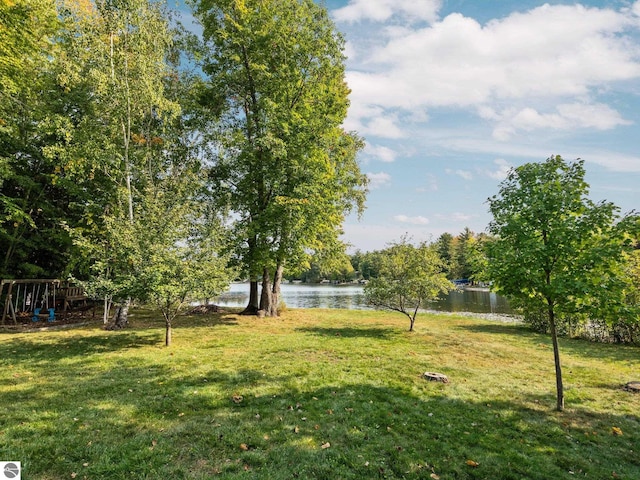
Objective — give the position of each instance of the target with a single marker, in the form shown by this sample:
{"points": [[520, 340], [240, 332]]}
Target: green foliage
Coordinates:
{"points": [[367, 264], [283, 165], [32, 122], [555, 247], [409, 278], [555, 250]]}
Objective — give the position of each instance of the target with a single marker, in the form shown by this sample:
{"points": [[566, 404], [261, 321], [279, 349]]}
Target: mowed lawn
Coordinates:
{"points": [[324, 394]]}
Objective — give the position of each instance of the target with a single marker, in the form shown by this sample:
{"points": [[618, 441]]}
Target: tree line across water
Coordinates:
{"points": [[461, 258]]}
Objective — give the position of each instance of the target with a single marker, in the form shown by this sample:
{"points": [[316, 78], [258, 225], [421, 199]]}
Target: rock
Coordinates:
{"points": [[205, 309], [632, 387], [435, 377]]}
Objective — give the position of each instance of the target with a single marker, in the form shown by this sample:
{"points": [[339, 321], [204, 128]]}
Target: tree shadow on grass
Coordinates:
{"points": [[74, 345], [365, 431], [349, 332], [353, 431], [502, 329], [207, 320], [573, 346]]}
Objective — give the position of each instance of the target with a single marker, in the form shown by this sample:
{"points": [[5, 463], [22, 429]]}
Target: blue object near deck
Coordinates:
{"points": [[50, 318]]}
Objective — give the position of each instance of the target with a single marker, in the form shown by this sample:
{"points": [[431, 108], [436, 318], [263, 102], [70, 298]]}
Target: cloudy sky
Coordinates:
{"points": [[450, 94]]}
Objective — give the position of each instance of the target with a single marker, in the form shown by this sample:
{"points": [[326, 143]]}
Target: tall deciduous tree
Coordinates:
{"points": [[409, 278], [127, 140], [31, 124], [284, 165], [556, 250]]}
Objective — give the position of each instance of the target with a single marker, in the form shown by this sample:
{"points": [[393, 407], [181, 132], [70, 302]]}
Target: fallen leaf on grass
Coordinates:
{"points": [[244, 447], [74, 475], [434, 476], [237, 398], [325, 445], [472, 463], [616, 431], [296, 429]]}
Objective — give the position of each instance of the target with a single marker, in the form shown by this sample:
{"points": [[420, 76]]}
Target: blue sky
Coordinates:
{"points": [[450, 94]]}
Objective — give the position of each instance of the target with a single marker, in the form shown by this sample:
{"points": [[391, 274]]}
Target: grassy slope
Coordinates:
{"points": [[91, 404]]}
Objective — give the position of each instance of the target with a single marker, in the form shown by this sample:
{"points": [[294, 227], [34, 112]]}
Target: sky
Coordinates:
{"points": [[451, 94]]}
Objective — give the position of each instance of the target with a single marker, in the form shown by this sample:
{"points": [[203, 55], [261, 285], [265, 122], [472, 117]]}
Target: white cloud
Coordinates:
{"points": [[382, 10], [455, 217], [614, 161], [377, 180], [528, 58], [567, 116], [503, 169], [419, 220], [380, 152], [432, 183], [461, 173]]}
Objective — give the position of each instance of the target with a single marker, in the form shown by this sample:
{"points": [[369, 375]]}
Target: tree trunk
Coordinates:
{"points": [[412, 318], [105, 312], [167, 337], [120, 318], [266, 295], [275, 291], [254, 304], [556, 357]]}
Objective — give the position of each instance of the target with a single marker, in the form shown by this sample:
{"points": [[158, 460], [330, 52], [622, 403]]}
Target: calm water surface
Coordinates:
{"points": [[351, 297]]}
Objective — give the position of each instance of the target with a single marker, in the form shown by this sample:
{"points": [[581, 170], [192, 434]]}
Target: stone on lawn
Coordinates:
{"points": [[632, 387], [436, 377]]}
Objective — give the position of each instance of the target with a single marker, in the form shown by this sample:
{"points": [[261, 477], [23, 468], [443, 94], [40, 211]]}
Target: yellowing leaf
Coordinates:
{"points": [[472, 463], [616, 431], [244, 447]]}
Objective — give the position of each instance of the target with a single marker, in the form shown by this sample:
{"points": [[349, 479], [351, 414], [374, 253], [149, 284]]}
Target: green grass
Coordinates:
{"points": [[90, 404]]}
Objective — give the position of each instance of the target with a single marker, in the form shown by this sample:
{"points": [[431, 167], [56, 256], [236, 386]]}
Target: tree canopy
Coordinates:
{"points": [[555, 250], [283, 165], [409, 278]]}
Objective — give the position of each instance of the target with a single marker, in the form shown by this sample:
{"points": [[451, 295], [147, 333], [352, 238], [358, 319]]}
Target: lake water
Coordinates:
{"points": [[296, 295]]}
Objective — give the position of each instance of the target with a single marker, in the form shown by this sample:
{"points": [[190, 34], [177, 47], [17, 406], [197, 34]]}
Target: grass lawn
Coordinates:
{"points": [[325, 394]]}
